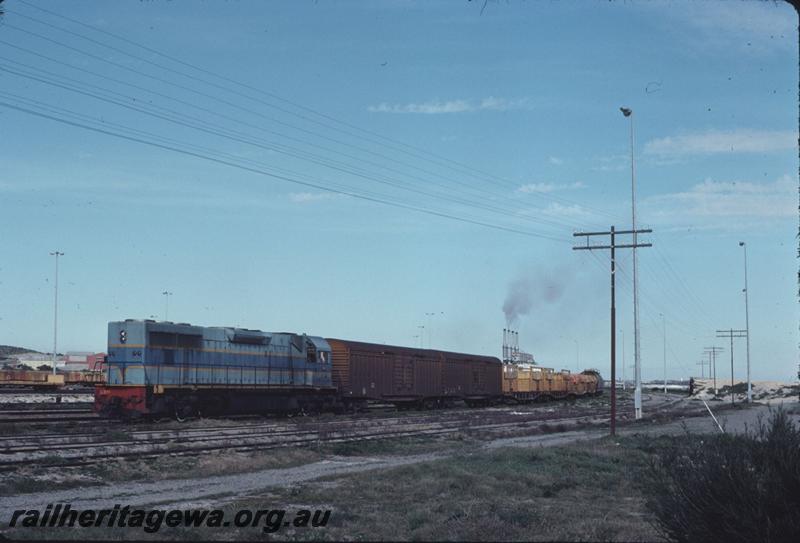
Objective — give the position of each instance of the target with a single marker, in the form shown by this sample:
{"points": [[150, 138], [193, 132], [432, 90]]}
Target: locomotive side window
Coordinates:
{"points": [[311, 352], [297, 342]]}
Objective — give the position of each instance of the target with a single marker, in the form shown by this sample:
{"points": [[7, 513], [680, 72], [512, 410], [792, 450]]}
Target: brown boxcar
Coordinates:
{"points": [[403, 375]]}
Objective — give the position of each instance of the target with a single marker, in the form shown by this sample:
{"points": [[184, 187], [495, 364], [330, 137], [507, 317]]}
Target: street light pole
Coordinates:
{"points": [[664, 325], [429, 315], [577, 356], [166, 304], [55, 312], [747, 322], [637, 394], [623, 359]]}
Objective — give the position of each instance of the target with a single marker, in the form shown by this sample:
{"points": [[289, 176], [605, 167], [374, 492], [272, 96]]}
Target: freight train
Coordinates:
{"points": [[157, 369]]}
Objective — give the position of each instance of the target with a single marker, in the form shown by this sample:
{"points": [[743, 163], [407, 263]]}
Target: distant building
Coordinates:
{"points": [[34, 360], [81, 361]]}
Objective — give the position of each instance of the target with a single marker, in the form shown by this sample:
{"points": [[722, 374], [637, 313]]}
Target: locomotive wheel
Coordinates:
{"points": [[184, 411]]}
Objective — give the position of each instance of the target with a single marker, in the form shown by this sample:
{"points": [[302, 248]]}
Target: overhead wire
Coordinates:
{"points": [[177, 118], [229, 162], [690, 293], [520, 216], [263, 92]]}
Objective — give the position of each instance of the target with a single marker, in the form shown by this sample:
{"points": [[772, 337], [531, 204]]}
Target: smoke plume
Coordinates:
{"points": [[531, 288]]}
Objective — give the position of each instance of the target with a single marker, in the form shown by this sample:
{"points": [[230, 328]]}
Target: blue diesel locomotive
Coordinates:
{"points": [[167, 369], [158, 369]]}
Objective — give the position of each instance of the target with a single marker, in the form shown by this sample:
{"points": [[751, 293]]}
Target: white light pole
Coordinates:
{"points": [[166, 304], [637, 394], [421, 336], [664, 324], [577, 355], [430, 328], [747, 322], [623, 358], [55, 312], [429, 315]]}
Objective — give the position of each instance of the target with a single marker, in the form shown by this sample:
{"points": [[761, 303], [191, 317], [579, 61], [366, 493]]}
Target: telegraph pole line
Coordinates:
{"points": [[731, 334], [712, 358], [613, 246]]}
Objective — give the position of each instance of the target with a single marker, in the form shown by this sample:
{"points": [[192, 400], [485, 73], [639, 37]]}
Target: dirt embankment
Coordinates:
{"points": [[761, 390]]}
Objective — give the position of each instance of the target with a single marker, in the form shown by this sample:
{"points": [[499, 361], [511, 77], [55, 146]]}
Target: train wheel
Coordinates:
{"points": [[184, 411]]}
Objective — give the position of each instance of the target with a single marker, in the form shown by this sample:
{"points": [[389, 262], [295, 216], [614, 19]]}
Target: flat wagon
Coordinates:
{"points": [[39, 379], [31, 378], [405, 376]]}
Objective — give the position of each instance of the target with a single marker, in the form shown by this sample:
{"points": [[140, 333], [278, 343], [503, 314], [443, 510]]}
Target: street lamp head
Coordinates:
{"points": [[741, 244], [626, 111]]}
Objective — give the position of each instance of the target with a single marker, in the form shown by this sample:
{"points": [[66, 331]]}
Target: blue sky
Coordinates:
{"points": [[505, 115]]}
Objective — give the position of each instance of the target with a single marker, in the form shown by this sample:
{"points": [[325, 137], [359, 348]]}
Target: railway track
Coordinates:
{"points": [[88, 449], [45, 391], [121, 442], [61, 415]]}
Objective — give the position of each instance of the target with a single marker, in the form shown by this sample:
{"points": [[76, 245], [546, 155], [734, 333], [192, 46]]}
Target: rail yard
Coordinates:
{"points": [[186, 406], [82, 457], [36, 438], [257, 257]]}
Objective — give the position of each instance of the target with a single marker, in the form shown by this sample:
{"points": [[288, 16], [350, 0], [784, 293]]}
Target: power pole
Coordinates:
{"points": [[731, 334], [703, 365], [712, 357], [55, 312], [612, 246], [747, 322]]}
